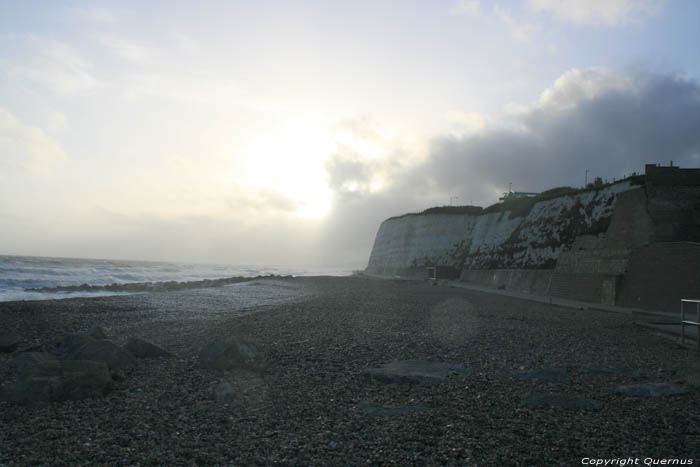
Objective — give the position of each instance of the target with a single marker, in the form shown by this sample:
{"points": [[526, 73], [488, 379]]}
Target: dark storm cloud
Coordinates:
{"points": [[346, 169], [615, 131], [608, 123]]}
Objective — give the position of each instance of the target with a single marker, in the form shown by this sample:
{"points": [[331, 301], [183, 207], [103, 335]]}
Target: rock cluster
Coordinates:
{"points": [[73, 367]]}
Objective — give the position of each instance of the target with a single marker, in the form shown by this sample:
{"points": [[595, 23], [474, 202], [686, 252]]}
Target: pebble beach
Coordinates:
{"points": [[537, 384]]}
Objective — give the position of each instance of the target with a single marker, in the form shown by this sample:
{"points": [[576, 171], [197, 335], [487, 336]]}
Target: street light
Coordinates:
{"points": [[585, 184], [453, 197]]}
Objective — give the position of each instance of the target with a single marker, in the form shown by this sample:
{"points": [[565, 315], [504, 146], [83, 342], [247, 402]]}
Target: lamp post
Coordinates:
{"points": [[585, 184], [453, 197]]}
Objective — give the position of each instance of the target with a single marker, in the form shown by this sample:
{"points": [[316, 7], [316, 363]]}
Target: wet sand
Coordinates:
{"points": [[315, 403]]}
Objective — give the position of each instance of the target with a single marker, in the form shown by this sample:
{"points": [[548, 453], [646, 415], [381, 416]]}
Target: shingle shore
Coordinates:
{"points": [[315, 403]]}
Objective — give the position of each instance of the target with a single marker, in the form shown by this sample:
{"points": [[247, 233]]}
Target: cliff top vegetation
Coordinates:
{"points": [[522, 206]]}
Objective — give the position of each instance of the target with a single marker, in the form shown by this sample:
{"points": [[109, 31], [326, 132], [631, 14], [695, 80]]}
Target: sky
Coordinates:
{"points": [[285, 132]]}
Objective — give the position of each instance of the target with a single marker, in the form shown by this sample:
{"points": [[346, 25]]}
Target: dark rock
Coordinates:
{"points": [[231, 355], [35, 389], [560, 401], [143, 349], [371, 408], [9, 342], [70, 343], [36, 364], [114, 356], [547, 375], [84, 378], [648, 389], [415, 372], [43, 378]]}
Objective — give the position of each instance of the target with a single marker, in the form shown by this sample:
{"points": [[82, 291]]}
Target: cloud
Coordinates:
{"points": [[58, 67], [599, 12], [607, 122], [183, 88], [187, 43], [464, 123], [611, 123], [201, 238], [348, 173], [467, 7], [127, 49], [94, 14], [522, 31], [576, 85], [258, 200], [25, 146]]}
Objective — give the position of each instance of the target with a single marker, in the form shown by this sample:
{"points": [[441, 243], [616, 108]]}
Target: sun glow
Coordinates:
{"points": [[289, 160]]}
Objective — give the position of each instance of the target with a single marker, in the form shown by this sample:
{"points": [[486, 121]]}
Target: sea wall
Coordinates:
{"points": [[660, 275], [497, 240]]}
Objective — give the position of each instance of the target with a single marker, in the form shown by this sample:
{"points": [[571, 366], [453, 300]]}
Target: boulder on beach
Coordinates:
{"points": [[231, 354], [70, 343], [105, 351], [28, 364], [9, 342], [84, 378], [144, 349], [41, 377]]}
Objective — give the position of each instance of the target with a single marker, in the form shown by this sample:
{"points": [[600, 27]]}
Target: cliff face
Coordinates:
{"points": [[497, 240], [623, 244]]}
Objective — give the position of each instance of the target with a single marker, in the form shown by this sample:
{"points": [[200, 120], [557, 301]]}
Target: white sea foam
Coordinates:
{"points": [[18, 273]]}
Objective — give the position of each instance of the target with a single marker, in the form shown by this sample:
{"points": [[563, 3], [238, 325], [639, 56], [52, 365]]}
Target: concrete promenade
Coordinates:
{"points": [[666, 324]]}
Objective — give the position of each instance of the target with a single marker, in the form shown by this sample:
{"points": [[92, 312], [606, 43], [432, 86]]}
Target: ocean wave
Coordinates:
{"points": [[69, 275]]}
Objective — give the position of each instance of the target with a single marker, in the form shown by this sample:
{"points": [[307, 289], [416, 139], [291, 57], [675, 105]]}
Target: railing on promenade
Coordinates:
{"points": [[696, 323]]}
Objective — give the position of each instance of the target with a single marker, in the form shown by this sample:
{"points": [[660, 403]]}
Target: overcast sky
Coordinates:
{"points": [[283, 133]]}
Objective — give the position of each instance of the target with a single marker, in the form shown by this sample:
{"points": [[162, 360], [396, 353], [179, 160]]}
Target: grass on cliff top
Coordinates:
{"points": [[519, 207]]}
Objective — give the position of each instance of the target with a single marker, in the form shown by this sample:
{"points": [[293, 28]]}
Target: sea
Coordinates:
{"points": [[19, 273]]}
